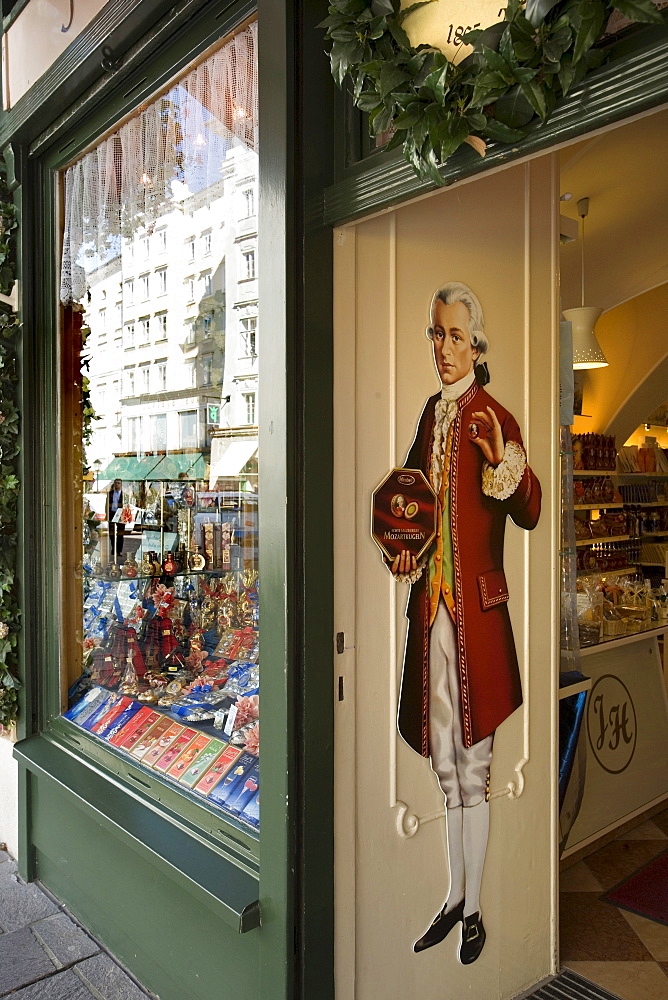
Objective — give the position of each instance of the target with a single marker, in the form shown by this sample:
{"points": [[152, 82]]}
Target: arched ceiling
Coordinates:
{"points": [[624, 172]]}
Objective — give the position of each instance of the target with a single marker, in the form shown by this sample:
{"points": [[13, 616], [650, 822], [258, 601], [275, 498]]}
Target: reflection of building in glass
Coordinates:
{"points": [[174, 334]]}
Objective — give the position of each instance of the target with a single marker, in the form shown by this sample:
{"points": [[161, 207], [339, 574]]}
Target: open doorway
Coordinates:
{"points": [[613, 709]]}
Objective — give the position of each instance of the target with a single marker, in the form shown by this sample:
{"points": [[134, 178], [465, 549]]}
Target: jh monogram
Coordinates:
{"points": [[611, 724]]}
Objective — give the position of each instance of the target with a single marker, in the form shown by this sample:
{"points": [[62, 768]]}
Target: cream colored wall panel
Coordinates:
{"points": [[36, 39], [498, 235]]}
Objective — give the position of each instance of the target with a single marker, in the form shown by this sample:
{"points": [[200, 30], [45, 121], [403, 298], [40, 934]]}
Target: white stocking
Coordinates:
{"points": [[453, 820], [475, 832]]}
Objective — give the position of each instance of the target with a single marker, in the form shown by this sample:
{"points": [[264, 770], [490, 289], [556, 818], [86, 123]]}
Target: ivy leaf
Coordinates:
{"points": [[398, 34], [639, 10], [368, 100], [513, 109], [506, 47], [537, 10], [536, 98], [385, 7], [496, 62], [488, 87], [403, 14], [397, 139], [502, 133], [380, 119], [390, 77], [489, 38], [409, 117], [476, 122], [591, 25], [341, 57]]}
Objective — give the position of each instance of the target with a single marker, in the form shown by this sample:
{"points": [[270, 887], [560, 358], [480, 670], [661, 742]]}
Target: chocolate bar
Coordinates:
{"points": [[218, 770], [188, 757], [183, 739], [202, 762], [231, 783], [130, 735]]}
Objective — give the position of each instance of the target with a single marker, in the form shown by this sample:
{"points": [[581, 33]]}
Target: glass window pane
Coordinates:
{"points": [[168, 671]]}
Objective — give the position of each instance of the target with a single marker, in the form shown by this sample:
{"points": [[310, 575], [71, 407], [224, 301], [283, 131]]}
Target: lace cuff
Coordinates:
{"points": [[414, 575], [502, 481]]}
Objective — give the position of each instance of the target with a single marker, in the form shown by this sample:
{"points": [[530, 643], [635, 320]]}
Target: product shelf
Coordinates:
{"points": [[583, 542]]}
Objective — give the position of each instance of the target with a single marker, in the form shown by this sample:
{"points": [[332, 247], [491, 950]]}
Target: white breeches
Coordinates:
{"points": [[462, 773]]}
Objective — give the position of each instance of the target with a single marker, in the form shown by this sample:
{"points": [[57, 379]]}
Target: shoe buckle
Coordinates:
{"points": [[472, 932]]}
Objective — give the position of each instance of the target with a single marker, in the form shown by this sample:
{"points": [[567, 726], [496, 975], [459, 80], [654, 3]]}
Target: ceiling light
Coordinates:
{"points": [[586, 351]]}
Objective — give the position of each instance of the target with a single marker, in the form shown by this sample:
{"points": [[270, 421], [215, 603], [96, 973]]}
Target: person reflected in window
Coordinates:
{"points": [[115, 502]]}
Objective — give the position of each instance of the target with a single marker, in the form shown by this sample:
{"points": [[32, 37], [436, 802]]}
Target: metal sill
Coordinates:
{"points": [[228, 888]]}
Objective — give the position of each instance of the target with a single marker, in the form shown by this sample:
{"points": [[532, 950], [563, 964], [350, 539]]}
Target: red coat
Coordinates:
{"points": [[488, 670]]}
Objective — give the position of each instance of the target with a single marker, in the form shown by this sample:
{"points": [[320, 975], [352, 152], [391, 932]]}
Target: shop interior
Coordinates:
{"points": [[613, 706]]}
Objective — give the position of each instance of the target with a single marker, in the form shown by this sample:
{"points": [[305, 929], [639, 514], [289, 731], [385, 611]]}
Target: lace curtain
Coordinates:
{"points": [[176, 145]]}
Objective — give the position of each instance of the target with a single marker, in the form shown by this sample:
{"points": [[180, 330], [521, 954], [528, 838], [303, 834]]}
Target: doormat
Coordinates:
{"points": [[645, 892], [569, 986]]}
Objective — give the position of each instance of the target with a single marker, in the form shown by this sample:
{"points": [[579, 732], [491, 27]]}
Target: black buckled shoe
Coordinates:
{"points": [[440, 927], [473, 939]]}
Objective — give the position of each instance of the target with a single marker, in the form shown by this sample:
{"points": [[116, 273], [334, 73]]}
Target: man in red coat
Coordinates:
{"points": [[461, 678]]}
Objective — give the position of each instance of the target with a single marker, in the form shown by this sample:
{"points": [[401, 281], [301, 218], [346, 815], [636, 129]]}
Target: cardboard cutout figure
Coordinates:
{"points": [[460, 674]]}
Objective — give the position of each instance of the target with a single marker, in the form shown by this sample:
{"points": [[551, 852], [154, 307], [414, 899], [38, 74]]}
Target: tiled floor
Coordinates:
{"points": [[620, 951], [45, 955]]}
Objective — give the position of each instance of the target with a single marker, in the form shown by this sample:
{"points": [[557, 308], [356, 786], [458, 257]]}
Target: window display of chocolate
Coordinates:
{"points": [[171, 642], [460, 673]]}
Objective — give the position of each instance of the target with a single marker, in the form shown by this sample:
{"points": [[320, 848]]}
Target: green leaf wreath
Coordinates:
{"points": [[9, 450], [518, 70]]}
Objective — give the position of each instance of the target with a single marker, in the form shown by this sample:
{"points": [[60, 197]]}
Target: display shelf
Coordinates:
{"points": [[624, 640], [583, 542], [566, 692], [578, 473], [599, 506], [639, 475], [608, 572], [649, 503]]}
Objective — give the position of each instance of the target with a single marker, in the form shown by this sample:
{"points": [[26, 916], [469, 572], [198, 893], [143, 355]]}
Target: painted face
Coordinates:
{"points": [[454, 356]]}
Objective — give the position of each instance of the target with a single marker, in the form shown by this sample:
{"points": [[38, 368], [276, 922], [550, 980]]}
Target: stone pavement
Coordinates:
{"points": [[46, 955]]}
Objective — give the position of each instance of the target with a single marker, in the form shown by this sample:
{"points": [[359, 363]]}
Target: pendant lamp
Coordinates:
{"points": [[586, 351]]}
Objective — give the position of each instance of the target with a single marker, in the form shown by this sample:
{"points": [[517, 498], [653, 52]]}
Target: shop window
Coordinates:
{"points": [[248, 265], [144, 331], [207, 369], [249, 401], [161, 323], [158, 431], [133, 433], [248, 203], [249, 337], [169, 567], [145, 379], [188, 426]]}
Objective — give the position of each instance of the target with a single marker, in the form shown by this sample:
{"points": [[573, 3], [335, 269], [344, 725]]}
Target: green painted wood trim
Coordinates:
{"points": [[146, 67], [203, 820], [227, 888], [634, 81], [9, 19], [131, 30], [278, 447]]}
